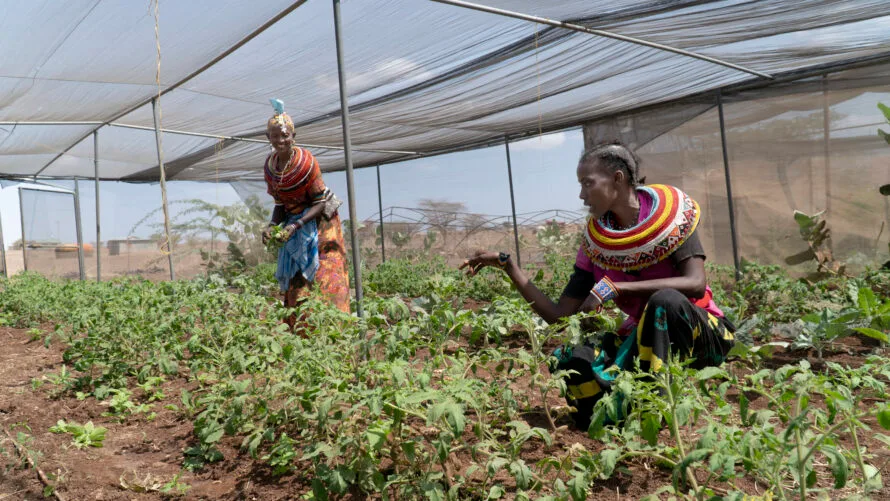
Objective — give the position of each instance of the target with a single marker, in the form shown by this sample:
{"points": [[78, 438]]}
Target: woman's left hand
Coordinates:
{"points": [[290, 229], [591, 304]]}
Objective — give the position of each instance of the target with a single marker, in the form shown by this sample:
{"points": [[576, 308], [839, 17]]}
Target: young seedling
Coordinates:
{"points": [[87, 435]]}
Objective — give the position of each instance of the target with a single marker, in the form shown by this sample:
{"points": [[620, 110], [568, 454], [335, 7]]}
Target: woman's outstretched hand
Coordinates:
{"points": [[480, 260], [267, 234]]}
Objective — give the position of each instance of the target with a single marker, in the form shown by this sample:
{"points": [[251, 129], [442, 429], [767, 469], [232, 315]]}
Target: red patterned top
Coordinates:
{"points": [[299, 184]]}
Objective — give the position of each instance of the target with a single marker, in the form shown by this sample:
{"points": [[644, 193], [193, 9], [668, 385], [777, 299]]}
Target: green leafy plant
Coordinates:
{"points": [[87, 435], [814, 231], [886, 111], [440, 390], [277, 237], [820, 330], [874, 315], [554, 238], [240, 224], [400, 238], [282, 455], [121, 406], [18, 452], [429, 240]]}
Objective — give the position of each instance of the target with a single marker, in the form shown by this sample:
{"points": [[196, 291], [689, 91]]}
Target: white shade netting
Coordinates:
{"points": [[423, 78]]}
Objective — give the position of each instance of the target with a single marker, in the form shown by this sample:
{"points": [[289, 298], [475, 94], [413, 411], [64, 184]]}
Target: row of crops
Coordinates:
{"points": [[441, 391]]}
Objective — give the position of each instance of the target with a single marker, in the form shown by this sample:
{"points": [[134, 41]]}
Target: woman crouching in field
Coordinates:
{"points": [[641, 250]]}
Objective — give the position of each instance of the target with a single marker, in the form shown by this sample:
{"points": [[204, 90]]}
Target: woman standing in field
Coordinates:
{"points": [[641, 250], [313, 254]]}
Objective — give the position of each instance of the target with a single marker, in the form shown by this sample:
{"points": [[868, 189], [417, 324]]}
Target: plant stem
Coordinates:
{"points": [[536, 352], [675, 429], [396, 443], [653, 455], [801, 462], [858, 454], [406, 411], [547, 410], [779, 408], [705, 485], [822, 438]]}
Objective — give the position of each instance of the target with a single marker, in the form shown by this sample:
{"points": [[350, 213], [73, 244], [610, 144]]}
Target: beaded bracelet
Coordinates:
{"points": [[605, 290]]}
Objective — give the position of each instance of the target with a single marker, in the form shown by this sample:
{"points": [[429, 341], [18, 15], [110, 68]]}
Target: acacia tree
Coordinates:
{"points": [[442, 214], [241, 224]]}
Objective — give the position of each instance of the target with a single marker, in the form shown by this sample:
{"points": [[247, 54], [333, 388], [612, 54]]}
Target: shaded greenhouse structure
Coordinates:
{"points": [[756, 109]]}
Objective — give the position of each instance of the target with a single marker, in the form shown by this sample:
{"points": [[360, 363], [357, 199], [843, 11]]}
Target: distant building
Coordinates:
{"points": [[129, 245]]}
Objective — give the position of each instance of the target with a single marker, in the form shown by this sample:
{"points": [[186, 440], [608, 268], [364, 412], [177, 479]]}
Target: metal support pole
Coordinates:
{"points": [[347, 150], [732, 229], [826, 139], [512, 201], [79, 229], [3, 250], [22, 216], [169, 251], [380, 206], [98, 214]]}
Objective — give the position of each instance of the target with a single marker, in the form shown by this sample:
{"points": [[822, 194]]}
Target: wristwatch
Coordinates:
{"points": [[503, 258]]}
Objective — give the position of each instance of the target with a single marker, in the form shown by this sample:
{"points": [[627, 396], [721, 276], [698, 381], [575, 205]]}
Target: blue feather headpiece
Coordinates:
{"points": [[278, 104], [280, 119]]}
